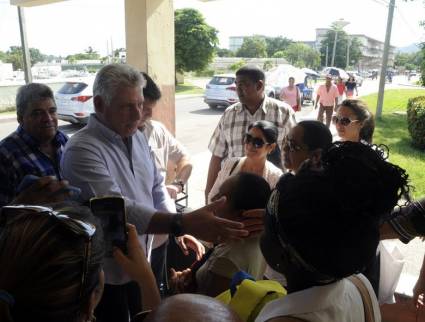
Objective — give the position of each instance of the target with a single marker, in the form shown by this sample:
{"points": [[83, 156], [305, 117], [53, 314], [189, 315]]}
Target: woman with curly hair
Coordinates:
{"points": [[323, 244]]}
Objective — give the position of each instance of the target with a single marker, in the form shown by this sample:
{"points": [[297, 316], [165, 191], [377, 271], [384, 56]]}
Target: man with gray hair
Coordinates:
{"points": [[34, 148], [111, 157]]}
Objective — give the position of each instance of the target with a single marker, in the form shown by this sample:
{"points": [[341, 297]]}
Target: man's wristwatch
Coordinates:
{"points": [[176, 228]]}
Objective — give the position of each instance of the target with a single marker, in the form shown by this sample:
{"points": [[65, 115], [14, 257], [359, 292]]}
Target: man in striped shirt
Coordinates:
{"points": [[253, 105]]}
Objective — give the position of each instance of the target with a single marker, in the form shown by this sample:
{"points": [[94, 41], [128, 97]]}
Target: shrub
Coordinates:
{"points": [[205, 73], [416, 120], [234, 67]]}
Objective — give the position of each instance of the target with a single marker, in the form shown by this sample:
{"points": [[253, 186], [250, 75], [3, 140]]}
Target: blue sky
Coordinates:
{"points": [[71, 26]]}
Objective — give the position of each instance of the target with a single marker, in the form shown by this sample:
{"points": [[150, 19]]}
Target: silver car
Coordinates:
{"points": [[74, 101], [221, 91]]}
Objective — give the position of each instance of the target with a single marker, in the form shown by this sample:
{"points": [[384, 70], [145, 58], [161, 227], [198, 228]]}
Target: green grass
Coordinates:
{"points": [[392, 131], [186, 88]]}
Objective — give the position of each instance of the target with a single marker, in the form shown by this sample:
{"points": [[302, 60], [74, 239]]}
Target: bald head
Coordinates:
{"points": [[194, 308]]}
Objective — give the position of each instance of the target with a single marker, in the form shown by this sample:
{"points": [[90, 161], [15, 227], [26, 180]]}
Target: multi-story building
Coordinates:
{"points": [[371, 49], [235, 42]]}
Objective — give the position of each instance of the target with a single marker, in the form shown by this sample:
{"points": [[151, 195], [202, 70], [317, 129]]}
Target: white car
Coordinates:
{"points": [[221, 91], [74, 101]]}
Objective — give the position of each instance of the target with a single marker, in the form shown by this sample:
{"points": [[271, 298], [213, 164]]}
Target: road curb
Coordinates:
{"points": [[183, 96], [7, 119]]}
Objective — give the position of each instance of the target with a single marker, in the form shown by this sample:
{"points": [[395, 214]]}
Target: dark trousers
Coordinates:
{"points": [[159, 267], [119, 303]]}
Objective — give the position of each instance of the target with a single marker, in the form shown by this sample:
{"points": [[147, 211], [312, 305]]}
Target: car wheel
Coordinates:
{"points": [[212, 106]]}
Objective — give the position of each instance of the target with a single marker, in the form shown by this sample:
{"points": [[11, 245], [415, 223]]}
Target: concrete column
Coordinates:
{"points": [[150, 48]]}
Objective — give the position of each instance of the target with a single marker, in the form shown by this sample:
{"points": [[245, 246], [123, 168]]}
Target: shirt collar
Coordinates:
{"points": [[96, 124], [58, 140], [241, 107]]}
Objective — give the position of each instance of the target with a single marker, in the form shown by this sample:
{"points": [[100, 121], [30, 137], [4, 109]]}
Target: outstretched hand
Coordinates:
{"points": [[205, 225]]}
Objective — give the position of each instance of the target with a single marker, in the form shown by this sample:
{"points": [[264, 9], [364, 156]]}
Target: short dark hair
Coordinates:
{"points": [[151, 90], [253, 72], [316, 135], [360, 109], [29, 93], [250, 191], [271, 133]]}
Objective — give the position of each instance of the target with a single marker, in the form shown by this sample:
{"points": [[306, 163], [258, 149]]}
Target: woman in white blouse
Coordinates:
{"points": [[260, 143]]}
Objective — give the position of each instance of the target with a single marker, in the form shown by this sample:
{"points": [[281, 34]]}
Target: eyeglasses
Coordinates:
{"points": [[78, 227], [344, 121], [256, 142], [290, 145]]}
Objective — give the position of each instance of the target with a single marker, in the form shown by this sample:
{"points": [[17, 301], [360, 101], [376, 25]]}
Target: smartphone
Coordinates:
{"points": [[112, 215], [30, 179]]}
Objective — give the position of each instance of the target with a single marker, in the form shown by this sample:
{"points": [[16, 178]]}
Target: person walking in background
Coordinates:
{"points": [[342, 90], [291, 95], [227, 139], [351, 86], [327, 98]]}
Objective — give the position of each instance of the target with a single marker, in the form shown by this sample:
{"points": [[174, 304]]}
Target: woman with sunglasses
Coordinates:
{"points": [[321, 244], [260, 145], [354, 122]]}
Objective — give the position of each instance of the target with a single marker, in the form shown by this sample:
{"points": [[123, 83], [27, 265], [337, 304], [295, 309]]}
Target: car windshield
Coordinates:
{"points": [[72, 88], [221, 80]]}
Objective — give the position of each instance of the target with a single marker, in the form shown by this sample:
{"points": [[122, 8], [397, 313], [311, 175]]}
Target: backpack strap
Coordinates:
{"points": [[234, 167], [366, 299]]}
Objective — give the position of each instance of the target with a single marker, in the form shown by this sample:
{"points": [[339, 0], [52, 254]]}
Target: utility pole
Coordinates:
{"points": [[24, 45], [327, 54], [385, 60], [334, 49], [348, 52]]}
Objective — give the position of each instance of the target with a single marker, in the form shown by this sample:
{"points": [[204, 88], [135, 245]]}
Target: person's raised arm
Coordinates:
{"points": [[136, 265]]}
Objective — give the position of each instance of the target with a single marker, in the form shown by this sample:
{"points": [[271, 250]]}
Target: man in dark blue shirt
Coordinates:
{"points": [[36, 146]]}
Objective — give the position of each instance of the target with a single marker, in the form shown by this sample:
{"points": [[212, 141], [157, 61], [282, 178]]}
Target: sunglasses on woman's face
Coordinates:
{"points": [[78, 227], [256, 142], [344, 121]]}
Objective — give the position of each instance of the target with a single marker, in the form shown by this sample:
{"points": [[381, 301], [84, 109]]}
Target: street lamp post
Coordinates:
{"points": [[339, 24]]}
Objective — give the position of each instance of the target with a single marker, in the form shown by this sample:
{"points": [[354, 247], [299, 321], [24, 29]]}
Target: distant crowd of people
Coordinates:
{"points": [[285, 203]]}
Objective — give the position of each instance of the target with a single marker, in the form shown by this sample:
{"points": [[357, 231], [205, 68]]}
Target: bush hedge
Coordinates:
{"points": [[416, 121]]}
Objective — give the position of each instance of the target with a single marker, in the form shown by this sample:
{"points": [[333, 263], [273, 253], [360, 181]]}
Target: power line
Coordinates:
{"points": [[381, 2], [406, 22]]}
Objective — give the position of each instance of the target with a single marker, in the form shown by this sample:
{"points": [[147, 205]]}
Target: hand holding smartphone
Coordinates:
{"points": [[112, 215]]}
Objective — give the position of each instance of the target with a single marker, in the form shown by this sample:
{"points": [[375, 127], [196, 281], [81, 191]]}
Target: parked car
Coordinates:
{"points": [[357, 77], [221, 91], [74, 101]]}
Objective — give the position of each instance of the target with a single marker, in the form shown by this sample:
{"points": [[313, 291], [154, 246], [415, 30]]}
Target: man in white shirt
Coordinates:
{"points": [[111, 157], [169, 155]]}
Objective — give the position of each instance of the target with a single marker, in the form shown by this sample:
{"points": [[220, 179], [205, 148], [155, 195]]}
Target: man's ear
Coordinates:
{"points": [[98, 104], [316, 157], [260, 85]]}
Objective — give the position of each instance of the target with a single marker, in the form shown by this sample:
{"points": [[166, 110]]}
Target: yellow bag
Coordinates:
{"points": [[249, 297]]}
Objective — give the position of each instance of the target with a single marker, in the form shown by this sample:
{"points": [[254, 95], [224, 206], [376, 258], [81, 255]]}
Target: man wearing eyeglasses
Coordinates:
{"points": [[35, 148], [111, 157], [254, 105], [327, 98]]}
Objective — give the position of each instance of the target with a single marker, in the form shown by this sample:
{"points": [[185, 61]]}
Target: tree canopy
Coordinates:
{"points": [[14, 56], [195, 40], [254, 46], [88, 54], [277, 44], [302, 55], [343, 41]]}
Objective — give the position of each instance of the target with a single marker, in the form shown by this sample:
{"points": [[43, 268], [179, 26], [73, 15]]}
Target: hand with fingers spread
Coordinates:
{"points": [[45, 190], [136, 265], [205, 225], [253, 221], [187, 242]]}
